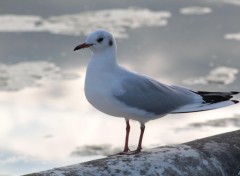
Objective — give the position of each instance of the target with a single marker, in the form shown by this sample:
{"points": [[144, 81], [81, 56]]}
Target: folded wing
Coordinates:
{"points": [[151, 96]]}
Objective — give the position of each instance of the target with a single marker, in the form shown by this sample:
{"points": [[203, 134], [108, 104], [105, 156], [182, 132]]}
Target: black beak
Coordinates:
{"points": [[81, 46]]}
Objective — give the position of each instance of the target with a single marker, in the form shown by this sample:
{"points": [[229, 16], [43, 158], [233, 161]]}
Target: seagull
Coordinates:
{"points": [[119, 92]]}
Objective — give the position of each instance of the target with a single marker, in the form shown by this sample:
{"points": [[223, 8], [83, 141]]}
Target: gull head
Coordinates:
{"points": [[98, 41]]}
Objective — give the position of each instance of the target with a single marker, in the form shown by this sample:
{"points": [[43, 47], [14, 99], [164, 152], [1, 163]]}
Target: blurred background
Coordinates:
{"points": [[45, 120]]}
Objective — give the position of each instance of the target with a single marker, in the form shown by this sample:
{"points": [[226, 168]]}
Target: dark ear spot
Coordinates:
{"points": [[110, 42]]}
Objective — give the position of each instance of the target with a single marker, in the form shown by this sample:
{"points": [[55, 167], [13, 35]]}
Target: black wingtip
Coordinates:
{"points": [[234, 93], [235, 101]]}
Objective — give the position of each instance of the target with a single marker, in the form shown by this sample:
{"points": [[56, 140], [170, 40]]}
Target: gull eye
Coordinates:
{"points": [[99, 40]]}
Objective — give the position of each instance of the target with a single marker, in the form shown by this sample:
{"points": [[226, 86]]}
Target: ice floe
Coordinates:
{"points": [[234, 2], [19, 23], [219, 75], [28, 74], [195, 10], [89, 150], [234, 121], [233, 36], [115, 20], [14, 163]]}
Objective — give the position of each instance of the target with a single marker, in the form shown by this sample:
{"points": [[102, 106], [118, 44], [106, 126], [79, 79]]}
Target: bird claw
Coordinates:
{"points": [[134, 152], [124, 152], [128, 152]]}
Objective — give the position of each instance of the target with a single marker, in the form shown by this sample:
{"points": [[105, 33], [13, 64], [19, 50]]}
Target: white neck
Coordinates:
{"points": [[101, 67], [104, 59]]}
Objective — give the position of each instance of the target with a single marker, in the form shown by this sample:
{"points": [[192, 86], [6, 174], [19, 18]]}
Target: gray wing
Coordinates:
{"points": [[149, 95]]}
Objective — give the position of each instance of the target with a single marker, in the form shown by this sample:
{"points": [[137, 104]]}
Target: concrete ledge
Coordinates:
{"points": [[213, 156]]}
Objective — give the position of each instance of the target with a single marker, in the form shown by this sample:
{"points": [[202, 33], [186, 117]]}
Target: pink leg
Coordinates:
{"points": [[139, 148], [126, 148]]}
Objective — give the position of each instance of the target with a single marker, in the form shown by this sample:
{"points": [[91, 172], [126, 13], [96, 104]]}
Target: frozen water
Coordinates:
{"points": [[27, 74], [234, 2], [89, 150], [195, 10], [115, 20], [219, 75], [164, 43], [233, 36], [17, 162], [231, 121]]}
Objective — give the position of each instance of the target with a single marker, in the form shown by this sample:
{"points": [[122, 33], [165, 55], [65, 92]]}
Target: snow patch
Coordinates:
{"points": [[115, 20], [219, 75], [195, 10], [205, 162], [216, 146]]}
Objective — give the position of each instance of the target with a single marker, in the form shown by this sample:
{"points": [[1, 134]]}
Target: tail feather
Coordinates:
{"points": [[215, 97], [211, 100]]}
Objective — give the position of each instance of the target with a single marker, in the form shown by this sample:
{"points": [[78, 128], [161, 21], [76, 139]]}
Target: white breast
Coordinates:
{"points": [[99, 85], [102, 82]]}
